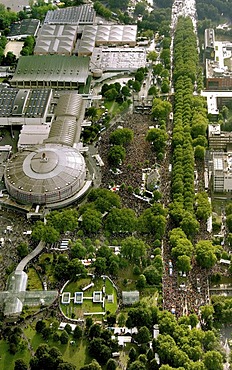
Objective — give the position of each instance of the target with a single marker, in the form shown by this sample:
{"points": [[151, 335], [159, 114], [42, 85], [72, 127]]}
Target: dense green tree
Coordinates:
{"points": [[77, 250], [152, 55], [65, 220], [139, 316], [50, 235], [136, 86], [121, 136], [199, 152], [132, 354], [144, 335], [111, 94], [75, 267], [157, 69], [94, 365], [205, 254], [229, 222], [189, 225], [139, 76], [137, 365], [91, 221], [158, 138], [46, 333], [207, 314], [116, 155], [133, 249], [165, 86], [77, 334], [20, 364], [100, 265], [64, 337], [122, 220], [66, 366], [183, 247], [141, 282], [40, 326], [213, 360], [102, 10], [183, 263], [104, 199], [22, 249], [40, 9], [94, 331], [203, 206], [153, 90], [153, 223], [161, 109], [111, 364], [153, 275]]}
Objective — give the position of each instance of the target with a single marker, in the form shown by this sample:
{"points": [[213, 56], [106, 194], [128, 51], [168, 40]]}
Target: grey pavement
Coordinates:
{"points": [[30, 256]]}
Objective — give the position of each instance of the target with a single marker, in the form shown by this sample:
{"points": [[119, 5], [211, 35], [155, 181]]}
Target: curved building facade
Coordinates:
{"points": [[46, 174]]}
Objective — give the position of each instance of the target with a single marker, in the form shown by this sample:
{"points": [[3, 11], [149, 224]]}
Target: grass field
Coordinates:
{"points": [[34, 282], [88, 306], [77, 354], [7, 360]]}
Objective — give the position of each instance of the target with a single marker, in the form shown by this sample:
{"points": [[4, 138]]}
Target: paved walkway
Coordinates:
{"points": [[30, 256]]}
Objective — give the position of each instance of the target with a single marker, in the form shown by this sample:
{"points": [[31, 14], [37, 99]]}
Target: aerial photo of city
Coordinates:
{"points": [[116, 185]]}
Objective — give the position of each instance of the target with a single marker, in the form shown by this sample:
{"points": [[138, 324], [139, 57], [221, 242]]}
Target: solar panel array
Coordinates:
{"points": [[83, 14], [16, 102], [7, 98], [37, 103]]}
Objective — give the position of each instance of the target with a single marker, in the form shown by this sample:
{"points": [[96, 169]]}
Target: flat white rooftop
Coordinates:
{"points": [[212, 96]]}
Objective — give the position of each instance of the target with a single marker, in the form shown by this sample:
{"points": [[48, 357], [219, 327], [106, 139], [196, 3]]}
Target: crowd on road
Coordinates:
{"points": [[139, 155]]}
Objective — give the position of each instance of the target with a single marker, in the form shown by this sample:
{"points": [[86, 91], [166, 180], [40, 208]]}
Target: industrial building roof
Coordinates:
{"points": [[28, 103], [106, 34], [56, 39], [83, 14], [52, 68], [116, 33], [23, 28], [120, 59], [33, 135]]}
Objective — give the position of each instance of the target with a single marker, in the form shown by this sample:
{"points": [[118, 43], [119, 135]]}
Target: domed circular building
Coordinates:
{"points": [[46, 174]]}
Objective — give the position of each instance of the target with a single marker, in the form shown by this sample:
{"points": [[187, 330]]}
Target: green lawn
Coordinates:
{"points": [[34, 282], [46, 259], [76, 354], [88, 306], [127, 273], [7, 360]]}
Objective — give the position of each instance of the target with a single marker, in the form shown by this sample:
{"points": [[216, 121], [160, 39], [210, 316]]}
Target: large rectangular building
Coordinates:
{"points": [[218, 63], [24, 107], [83, 14], [56, 39], [51, 71]]}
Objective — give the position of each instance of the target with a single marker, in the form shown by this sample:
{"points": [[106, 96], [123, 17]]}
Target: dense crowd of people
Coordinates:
{"points": [[139, 155]]}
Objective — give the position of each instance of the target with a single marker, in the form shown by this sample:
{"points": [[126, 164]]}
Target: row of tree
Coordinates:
{"points": [[189, 140]]}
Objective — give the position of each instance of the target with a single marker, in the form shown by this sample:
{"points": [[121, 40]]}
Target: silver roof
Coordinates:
{"points": [[83, 14], [45, 169]]}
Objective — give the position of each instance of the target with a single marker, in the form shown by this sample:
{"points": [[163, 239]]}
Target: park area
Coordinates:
{"points": [[73, 352], [89, 297]]}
